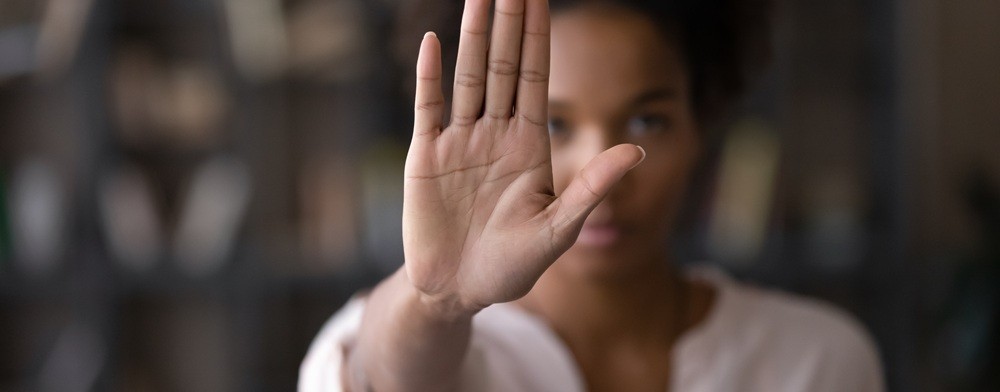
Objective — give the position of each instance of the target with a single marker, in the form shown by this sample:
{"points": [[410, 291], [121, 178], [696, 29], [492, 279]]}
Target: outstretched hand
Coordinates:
{"points": [[481, 220]]}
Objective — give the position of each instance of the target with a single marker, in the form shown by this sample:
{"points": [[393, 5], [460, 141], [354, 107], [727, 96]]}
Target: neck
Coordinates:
{"points": [[646, 306]]}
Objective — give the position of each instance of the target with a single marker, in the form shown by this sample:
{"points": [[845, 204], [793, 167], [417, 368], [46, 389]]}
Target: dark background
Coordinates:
{"points": [[189, 188]]}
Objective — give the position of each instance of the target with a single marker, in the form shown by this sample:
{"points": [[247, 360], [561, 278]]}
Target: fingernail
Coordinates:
{"points": [[429, 34], [643, 158]]}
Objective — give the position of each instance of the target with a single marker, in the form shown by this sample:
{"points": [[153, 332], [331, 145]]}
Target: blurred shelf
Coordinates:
{"points": [[172, 283]]}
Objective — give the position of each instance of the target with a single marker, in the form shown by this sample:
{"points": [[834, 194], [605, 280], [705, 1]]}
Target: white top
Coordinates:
{"points": [[752, 340]]}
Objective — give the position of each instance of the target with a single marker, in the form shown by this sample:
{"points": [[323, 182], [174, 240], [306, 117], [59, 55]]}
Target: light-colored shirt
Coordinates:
{"points": [[753, 339]]}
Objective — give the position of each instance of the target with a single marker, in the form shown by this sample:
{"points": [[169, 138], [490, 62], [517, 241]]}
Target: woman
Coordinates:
{"points": [[534, 229]]}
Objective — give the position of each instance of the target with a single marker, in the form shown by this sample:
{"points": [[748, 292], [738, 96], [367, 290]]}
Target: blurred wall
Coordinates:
{"points": [[127, 125], [950, 103]]}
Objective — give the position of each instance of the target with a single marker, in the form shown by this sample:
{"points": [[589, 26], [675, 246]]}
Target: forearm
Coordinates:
{"points": [[407, 342]]}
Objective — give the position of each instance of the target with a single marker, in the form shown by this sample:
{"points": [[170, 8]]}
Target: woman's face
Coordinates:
{"points": [[616, 79]]}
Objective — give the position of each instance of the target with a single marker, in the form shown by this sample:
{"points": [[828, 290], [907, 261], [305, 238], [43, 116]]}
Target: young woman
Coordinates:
{"points": [[535, 228]]}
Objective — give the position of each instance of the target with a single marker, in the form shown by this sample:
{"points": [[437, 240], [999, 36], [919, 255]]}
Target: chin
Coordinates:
{"points": [[611, 262]]}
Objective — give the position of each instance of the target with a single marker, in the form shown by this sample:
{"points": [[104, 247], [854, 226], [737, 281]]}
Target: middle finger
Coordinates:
{"points": [[504, 58]]}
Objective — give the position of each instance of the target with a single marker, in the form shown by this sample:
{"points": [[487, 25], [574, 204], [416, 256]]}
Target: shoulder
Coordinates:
{"points": [[826, 343], [786, 342], [802, 321]]}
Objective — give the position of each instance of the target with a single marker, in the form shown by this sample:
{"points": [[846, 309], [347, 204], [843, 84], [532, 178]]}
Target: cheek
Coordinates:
{"points": [[659, 180], [656, 188], [563, 167]]}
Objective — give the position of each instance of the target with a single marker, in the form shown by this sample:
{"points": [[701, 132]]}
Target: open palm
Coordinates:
{"points": [[481, 220]]}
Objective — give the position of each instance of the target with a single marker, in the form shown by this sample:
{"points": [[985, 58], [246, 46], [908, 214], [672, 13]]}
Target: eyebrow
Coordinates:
{"points": [[659, 94]]}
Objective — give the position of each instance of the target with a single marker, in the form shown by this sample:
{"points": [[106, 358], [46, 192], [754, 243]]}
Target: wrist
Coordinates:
{"points": [[442, 307], [445, 308]]}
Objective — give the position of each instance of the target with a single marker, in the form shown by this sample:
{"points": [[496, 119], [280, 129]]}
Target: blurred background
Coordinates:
{"points": [[190, 188]]}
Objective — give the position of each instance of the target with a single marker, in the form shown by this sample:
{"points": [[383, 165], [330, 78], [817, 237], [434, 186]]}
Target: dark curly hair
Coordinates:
{"points": [[724, 43]]}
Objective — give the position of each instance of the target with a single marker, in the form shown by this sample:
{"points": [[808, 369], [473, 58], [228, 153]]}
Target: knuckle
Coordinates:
{"points": [[425, 132], [588, 185], [532, 121], [493, 115], [474, 32], [463, 120], [502, 67], [514, 13], [533, 76], [469, 80], [429, 105]]}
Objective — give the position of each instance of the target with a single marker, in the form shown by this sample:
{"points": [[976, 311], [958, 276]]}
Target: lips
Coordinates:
{"points": [[599, 235]]}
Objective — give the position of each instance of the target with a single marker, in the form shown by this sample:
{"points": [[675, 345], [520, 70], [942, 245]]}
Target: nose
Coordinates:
{"points": [[587, 142], [591, 139]]}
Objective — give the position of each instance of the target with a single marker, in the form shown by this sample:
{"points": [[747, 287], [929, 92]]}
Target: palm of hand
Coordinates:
{"points": [[482, 201], [481, 221]]}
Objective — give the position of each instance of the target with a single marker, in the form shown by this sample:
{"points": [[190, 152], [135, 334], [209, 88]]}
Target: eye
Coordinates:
{"points": [[646, 124], [557, 126]]}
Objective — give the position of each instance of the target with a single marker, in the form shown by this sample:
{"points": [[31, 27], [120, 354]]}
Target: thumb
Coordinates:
{"points": [[590, 186]]}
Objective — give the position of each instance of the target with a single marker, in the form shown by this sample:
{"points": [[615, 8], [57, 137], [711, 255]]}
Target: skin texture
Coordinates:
{"points": [[616, 79], [494, 177], [485, 182], [613, 297]]}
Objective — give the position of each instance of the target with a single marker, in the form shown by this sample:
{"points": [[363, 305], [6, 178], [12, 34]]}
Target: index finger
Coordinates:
{"points": [[470, 69]]}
